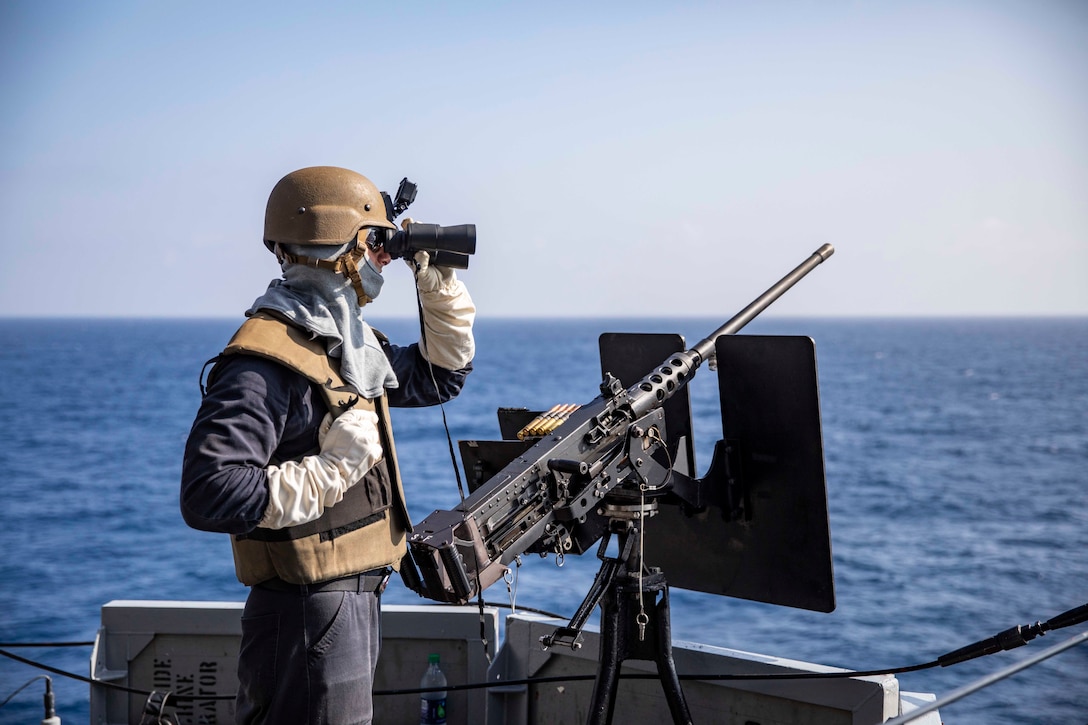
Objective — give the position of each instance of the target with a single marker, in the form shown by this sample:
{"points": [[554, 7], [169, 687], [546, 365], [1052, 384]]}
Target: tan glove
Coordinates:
{"points": [[300, 491], [448, 314]]}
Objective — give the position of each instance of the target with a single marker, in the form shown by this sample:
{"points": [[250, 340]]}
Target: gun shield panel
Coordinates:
{"points": [[765, 536]]}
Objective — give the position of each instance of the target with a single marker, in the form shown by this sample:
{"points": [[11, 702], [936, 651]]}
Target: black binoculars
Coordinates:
{"points": [[447, 246]]}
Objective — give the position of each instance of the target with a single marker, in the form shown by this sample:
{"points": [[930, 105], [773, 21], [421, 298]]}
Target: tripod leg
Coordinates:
{"points": [[572, 633], [666, 665], [603, 701]]}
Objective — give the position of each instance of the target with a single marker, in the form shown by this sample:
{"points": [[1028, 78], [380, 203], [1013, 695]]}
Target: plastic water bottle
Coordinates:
{"points": [[432, 705]]}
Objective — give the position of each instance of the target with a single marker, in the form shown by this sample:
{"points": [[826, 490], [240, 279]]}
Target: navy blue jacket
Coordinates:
{"points": [[257, 412]]}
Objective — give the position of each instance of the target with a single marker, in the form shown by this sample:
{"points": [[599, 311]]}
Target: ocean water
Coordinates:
{"points": [[957, 474]]}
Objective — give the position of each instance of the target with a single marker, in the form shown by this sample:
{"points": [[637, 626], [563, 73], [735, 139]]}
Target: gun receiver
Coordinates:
{"points": [[553, 495]]}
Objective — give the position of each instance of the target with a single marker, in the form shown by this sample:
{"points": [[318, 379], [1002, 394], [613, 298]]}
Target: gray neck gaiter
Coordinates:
{"points": [[324, 303]]}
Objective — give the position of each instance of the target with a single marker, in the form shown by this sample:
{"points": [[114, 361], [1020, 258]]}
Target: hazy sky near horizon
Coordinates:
{"points": [[618, 159]]}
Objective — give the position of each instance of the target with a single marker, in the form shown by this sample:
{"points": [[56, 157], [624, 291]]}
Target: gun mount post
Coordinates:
{"points": [[635, 620]]}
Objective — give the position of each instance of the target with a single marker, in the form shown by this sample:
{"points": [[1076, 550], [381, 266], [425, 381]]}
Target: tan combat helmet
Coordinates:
{"points": [[324, 205]]}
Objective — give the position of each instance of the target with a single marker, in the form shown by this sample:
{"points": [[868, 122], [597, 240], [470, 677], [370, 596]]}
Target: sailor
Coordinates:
{"points": [[291, 452]]}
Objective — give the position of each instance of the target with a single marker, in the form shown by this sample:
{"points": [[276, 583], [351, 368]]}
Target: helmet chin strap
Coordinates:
{"points": [[346, 264], [350, 269]]}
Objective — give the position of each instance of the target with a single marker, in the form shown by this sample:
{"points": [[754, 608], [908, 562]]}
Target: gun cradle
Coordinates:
{"points": [[539, 502]]}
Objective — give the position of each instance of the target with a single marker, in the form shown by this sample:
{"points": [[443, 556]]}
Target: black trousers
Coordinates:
{"points": [[308, 659]]}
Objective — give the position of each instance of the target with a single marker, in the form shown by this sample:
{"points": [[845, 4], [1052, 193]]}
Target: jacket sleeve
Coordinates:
{"points": [[448, 314], [421, 383], [250, 417], [433, 370]]}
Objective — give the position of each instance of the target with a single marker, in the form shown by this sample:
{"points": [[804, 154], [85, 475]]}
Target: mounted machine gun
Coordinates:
{"points": [[755, 526], [546, 497]]}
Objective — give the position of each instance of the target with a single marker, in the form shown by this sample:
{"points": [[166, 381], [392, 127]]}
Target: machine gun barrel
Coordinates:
{"points": [[742, 318], [541, 498]]}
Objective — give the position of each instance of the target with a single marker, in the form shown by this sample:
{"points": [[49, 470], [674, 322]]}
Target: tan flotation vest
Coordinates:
{"points": [[366, 530]]}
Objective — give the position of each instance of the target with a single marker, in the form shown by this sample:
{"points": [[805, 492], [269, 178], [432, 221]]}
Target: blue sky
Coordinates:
{"points": [[635, 159]]}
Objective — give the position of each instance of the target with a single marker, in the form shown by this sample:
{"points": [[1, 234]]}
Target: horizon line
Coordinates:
{"points": [[531, 316]]}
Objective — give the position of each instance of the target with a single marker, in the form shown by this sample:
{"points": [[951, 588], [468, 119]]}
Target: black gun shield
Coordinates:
{"points": [[483, 459], [779, 552], [629, 356]]}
